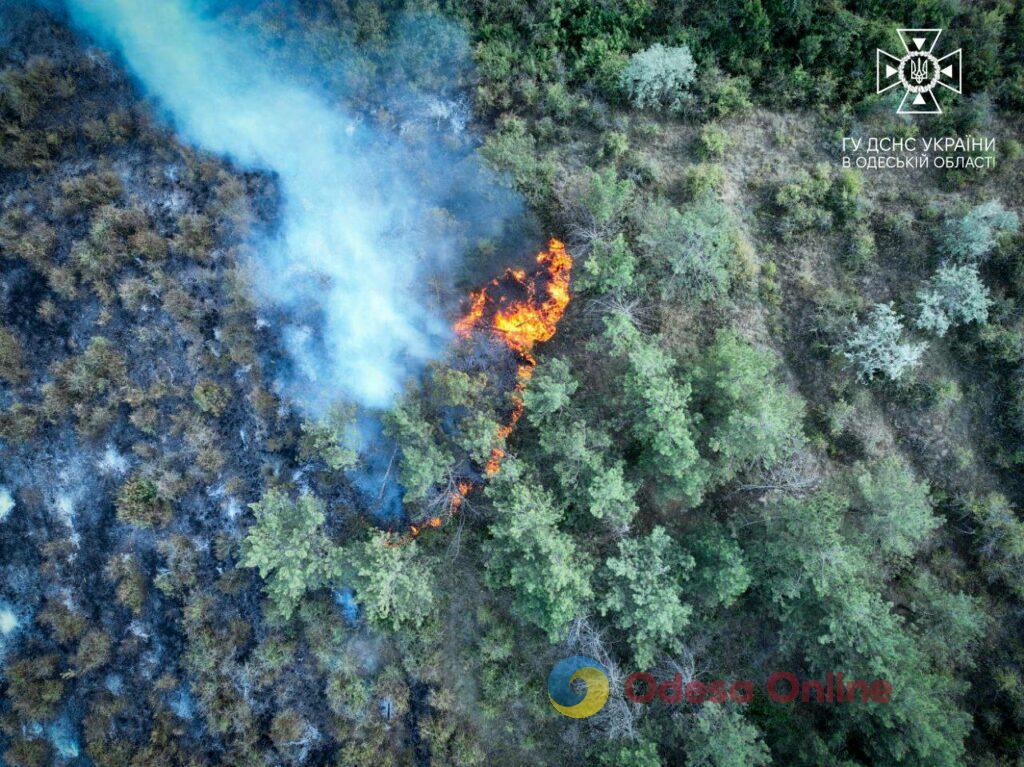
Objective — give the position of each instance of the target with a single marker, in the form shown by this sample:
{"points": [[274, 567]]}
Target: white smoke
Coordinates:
{"points": [[358, 239]]}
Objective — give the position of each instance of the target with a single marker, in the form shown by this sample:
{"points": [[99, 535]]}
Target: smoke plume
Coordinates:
{"points": [[364, 226]]}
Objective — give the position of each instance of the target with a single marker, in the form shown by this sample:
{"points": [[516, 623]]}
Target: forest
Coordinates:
{"points": [[363, 360]]}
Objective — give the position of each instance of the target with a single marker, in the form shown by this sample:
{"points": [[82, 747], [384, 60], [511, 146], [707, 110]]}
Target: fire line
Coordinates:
{"points": [[519, 324]]}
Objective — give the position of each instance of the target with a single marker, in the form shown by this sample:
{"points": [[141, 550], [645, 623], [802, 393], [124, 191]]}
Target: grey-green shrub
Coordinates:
{"points": [[877, 346], [977, 234], [659, 77], [955, 295]]}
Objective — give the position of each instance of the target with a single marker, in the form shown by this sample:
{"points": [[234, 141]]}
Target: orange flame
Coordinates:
{"points": [[520, 324]]}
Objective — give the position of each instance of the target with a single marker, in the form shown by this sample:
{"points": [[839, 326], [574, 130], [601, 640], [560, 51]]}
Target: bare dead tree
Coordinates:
{"points": [[618, 719], [798, 475]]}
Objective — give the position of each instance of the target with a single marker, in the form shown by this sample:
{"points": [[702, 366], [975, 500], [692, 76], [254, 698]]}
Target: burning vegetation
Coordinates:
{"points": [[519, 310]]}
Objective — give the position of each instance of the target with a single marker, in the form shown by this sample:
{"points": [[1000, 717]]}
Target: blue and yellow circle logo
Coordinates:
{"points": [[578, 705]]}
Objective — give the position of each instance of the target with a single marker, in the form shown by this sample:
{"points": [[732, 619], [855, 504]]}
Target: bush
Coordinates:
{"points": [[140, 503], [12, 359], [34, 686], [803, 201], [977, 234], [658, 77], [714, 141], [725, 96], [210, 397], [705, 179], [877, 346], [393, 583], [611, 266], [955, 295], [644, 596], [749, 417], [700, 247], [897, 512]]}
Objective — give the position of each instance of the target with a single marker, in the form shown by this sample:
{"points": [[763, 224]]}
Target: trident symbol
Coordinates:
{"points": [[919, 70]]}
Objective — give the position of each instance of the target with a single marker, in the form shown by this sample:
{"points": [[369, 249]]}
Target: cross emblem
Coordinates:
{"points": [[919, 71]]}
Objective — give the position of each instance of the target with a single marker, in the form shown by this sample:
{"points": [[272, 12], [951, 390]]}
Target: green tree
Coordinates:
{"points": [[328, 440], [549, 576], [425, 461], [578, 459], [12, 358], [34, 686], [289, 549], [720, 736], [750, 418], [700, 247], [657, 405], [897, 514], [826, 591], [1000, 540], [644, 594], [140, 502], [392, 582], [550, 390], [977, 234], [611, 266], [659, 78], [210, 397]]}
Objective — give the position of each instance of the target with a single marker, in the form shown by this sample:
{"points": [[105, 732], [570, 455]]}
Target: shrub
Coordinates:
{"points": [[327, 440], [803, 201], [877, 346], [93, 651], [210, 397], [955, 295], [897, 513], [393, 583], [714, 141], [705, 179], [610, 266], [645, 589], [749, 417], [699, 247], [725, 96], [658, 77], [977, 234], [12, 359], [34, 686], [140, 503]]}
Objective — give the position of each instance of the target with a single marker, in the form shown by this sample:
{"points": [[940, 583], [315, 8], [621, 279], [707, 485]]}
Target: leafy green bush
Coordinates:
{"points": [[701, 247], [750, 418], [714, 141], [210, 397], [658, 78], [546, 572], [12, 359], [392, 583], [804, 201], [329, 440], [897, 513], [644, 593]]}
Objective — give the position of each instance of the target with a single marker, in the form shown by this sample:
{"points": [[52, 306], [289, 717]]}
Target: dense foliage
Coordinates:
{"points": [[780, 428]]}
